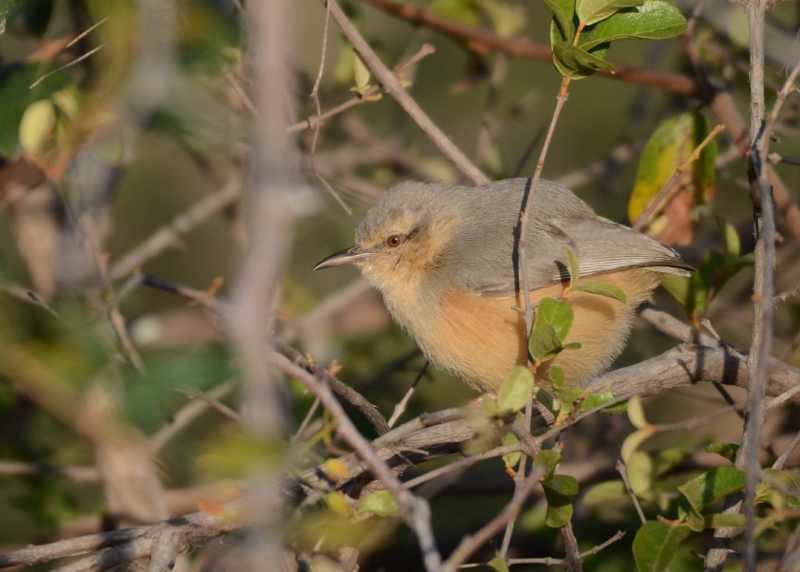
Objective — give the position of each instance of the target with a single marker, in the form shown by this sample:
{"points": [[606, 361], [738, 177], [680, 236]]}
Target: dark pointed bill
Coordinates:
{"points": [[348, 256]]}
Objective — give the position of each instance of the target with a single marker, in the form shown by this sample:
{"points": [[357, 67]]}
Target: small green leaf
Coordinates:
{"points": [[556, 376], [603, 289], [652, 20], [563, 17], [640, 473], [361, 76], [511, 460], [557, 314], [544, 343], [636, 412], [36, 126], [379, 503], [592, 11], [605, 492], [549, 459], [497, 563], [724, 520], [592, 401], [507, 19], [633, 441], [732, 242], [461, 11], [656, 544], [560, 491], [711, 486], [727, 450], [517, 390], [577, 62]]}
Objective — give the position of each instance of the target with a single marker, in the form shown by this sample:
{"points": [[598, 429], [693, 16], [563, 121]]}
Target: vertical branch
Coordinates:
{"points": [[522, 221], [268, 222], [763, 287]]}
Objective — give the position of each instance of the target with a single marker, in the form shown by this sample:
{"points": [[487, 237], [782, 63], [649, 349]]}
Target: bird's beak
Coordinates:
{"points": [[348, 256]]}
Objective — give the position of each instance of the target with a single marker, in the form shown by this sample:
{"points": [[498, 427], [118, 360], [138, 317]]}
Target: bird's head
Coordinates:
{"points": [[402, 237]]}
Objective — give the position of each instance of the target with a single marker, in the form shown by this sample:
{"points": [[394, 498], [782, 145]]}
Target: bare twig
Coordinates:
{"points": [[394, 88], [481, 40], [415, 511], [763, 287], [186, 414], [400, 408], [548, 561], [573, 555], [170, 234], [623, 472], [521, 238], [470, 543]]}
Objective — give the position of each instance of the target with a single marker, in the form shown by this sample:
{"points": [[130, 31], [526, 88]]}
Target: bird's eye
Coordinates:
{"points": [[395, 240]]}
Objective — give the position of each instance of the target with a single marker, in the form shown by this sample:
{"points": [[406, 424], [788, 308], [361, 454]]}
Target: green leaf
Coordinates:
{"points": [[653, 20], [497, 563], [711, 486], [511, 460], [36, 126], [576, 62], [603, 289], [656, 544], [670, 145], [732, 242], [544, 343], [605, 492], [556, 313], [640, 473], [594, 400], [507, 19], [727, 450], [592, 11], [563, 18], [16, 95], [461, 11], [560, 491], [556, 375], [361, 76], [724, 520], [517, 390], [379, 503], [633, 441], [549, 459], [636, 412]]}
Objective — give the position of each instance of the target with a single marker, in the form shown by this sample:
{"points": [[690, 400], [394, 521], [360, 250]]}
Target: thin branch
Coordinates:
{"points": [[529, 195], [763, 287], [481, 40], [393, 86], [470, 543], [415, 510], [170, 234], [623, 472]]}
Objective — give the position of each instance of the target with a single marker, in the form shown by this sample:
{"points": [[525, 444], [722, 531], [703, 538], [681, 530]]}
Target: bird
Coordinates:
{"points": [[443, 258]]}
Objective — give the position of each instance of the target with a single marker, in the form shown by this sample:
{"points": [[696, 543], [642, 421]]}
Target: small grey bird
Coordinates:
{"points": [[443, 257]]}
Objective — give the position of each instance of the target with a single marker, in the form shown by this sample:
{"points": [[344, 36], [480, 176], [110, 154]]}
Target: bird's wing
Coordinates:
{"points": [[599, 244]]}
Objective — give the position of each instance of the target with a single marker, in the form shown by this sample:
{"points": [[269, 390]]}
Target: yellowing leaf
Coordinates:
{"points": [[36, 126], [336, 469], [517, 390], [634, 441], [669, 147], [636, 412], [338, 503]]}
